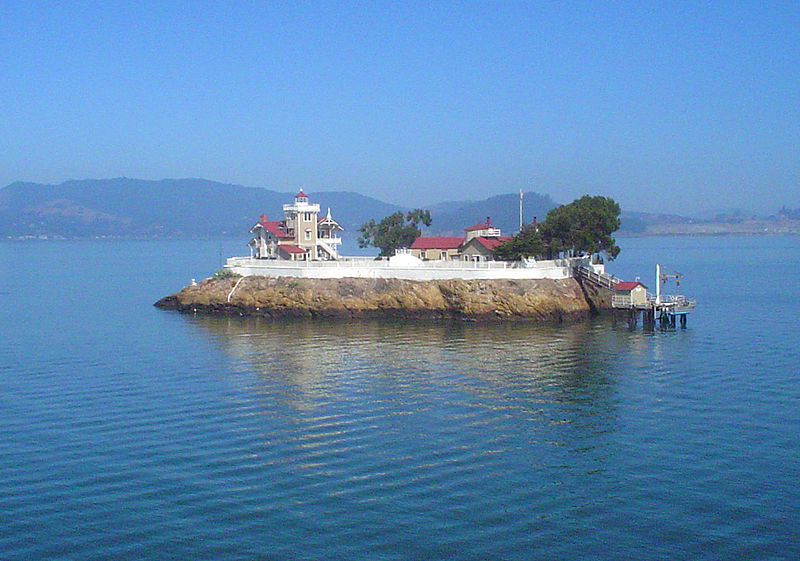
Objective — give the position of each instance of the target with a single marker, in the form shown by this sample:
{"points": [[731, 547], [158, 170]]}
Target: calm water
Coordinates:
{"points": [[127, 432]]}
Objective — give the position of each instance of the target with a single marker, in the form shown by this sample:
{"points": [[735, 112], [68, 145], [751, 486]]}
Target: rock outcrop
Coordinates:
{"points": [[537, 300]]}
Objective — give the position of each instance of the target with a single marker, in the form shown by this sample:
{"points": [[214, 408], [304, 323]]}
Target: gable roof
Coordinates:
{"points": [[440, 242], [289, 248], [326, 219], [627, 285], [491, 243], [273, 227]]}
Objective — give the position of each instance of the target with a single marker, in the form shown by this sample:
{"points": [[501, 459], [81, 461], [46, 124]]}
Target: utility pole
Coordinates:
{"points": [[520, 210], [658, 284]]}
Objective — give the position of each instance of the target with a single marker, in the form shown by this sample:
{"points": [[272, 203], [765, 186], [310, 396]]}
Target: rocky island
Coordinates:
{"points": [[550, 300], [294, 270]]}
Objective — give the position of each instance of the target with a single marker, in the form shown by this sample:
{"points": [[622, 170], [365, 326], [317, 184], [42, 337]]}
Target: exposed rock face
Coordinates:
{"points": [[542, 300], [599, 298]]}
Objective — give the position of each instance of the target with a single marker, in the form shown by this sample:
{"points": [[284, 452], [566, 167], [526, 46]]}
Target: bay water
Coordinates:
{"points": [[128, 432]]}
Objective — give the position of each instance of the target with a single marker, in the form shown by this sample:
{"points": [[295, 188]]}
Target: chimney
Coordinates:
{"points": [[489, 221], [263, 218]]}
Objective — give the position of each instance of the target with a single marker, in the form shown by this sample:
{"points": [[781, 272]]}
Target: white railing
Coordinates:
{"points": [[677, 300], [602, 279], [371, 262]]}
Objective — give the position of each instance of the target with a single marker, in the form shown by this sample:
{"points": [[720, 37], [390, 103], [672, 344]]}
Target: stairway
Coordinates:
{"points": [[328, 249], [602, 280]]}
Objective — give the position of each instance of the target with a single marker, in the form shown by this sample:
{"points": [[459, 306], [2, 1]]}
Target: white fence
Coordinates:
{"points": [[355, 267]]}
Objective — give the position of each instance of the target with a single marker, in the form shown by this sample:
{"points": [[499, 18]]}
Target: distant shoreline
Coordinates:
{"points": [[620, 234]]}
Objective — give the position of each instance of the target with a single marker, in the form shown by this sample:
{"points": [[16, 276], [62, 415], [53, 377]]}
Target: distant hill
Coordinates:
{"points": [[168, 208], [125, 207], [453, 216], [718, 223], [641, 222]]}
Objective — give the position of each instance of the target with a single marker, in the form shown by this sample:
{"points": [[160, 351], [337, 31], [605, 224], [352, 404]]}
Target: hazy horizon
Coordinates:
{"points": [[679, 109], [710, 211]]}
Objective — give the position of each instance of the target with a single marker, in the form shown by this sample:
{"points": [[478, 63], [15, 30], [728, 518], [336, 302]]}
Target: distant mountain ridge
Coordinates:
{"points": [[125, 207], [170, 208], [453, 216]]}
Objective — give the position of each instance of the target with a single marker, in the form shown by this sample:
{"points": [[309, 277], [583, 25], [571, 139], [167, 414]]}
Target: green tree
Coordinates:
{"points": [[584, 226], [394, 231], [528, 243]]}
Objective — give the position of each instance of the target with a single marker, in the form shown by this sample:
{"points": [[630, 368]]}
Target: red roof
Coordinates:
{"points": [[478, 226], [300, 194], [437, 243], [627, 285], [273, 227], [289, 248], [491, 243]]}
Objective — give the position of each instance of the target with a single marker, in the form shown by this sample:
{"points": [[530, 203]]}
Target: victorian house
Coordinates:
{"points": [[302, 235]]}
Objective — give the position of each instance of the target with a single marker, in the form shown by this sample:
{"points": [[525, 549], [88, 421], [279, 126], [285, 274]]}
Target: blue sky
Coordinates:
{"points": [[664, 106]]}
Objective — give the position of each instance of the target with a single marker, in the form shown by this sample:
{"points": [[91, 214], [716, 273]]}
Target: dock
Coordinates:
{"points": [[667, 312], [632, 299]]}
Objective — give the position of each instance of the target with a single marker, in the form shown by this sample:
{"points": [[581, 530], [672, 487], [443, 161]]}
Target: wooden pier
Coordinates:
{"points": [[668, 313], [632, 299]]}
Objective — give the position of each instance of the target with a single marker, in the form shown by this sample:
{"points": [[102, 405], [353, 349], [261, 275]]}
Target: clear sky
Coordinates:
{"points": [[664, 106]]}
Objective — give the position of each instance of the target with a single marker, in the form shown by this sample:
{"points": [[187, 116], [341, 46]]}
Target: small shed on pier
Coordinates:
{"points": [[633, 292]]}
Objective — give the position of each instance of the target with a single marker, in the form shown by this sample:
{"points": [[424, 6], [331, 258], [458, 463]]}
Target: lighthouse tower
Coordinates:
{"points": [[318, 238]]}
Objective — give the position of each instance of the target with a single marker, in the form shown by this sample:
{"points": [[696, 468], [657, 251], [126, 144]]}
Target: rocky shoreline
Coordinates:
{"points": [[544, 300]]}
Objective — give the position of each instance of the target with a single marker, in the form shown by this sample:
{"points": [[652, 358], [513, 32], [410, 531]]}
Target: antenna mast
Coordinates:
{"points": [[520, 210]]}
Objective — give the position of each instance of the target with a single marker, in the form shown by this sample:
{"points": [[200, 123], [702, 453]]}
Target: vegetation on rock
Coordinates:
{"points": [[226, 274]]}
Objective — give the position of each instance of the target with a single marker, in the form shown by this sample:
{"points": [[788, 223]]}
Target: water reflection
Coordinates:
{"points": [[516, 367]]}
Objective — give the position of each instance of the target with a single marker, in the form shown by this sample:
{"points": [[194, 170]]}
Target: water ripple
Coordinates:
{"points": [[158, 436]]}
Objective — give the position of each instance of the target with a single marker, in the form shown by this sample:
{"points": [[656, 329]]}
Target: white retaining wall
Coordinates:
{"points": [[429, 270]]}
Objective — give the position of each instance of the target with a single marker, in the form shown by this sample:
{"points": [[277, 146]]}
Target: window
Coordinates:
{"points": [[307, 217], [308, 234], [444, 256]]}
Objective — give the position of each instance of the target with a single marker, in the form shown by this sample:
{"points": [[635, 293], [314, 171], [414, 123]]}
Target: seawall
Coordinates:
{"points": [[399, 267], [496, 299]]}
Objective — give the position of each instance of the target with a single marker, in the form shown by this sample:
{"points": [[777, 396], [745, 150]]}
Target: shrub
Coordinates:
{"points": [[225, 274]]}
